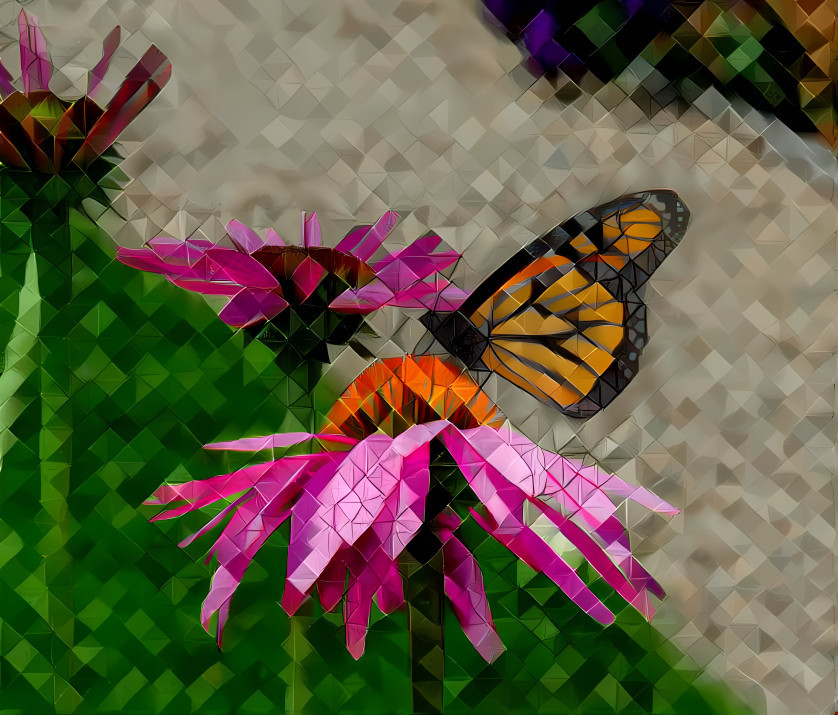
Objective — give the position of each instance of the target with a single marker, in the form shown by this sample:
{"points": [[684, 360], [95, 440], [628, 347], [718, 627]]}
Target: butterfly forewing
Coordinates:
{"points": [[564, 318]]}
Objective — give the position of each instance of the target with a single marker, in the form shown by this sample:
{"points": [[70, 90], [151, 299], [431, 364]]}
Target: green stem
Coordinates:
{"points": [[426, 609], [20, 379]]}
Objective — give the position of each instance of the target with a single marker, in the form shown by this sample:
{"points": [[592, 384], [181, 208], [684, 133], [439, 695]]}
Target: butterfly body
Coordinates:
{"points": [[564, 318]]}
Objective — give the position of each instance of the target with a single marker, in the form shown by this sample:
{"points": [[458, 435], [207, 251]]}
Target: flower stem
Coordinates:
{"points": [[426, 609]]}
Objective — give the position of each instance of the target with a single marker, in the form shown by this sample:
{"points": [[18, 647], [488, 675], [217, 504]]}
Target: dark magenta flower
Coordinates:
{"points": [[327, 289]]}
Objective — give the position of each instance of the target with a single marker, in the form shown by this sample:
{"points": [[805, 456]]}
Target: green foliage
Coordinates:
{"points": [[113, 379]]}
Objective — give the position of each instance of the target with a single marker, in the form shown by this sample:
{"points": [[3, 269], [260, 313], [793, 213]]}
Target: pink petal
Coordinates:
{"points": [[185, 253], [143, 259], [405, 272], [371, 571], [439, 295], [240, 268], [331, 586], [35, 62], [193, 263], [206, 287], [505, 504], [142, 84], [272, 238], [269, 490], [311, 230], [244, 535], [525, 543], [200, 493], [391, 592], [342, 510], [216, 520], [371, 559], [356, 613], [634, 595], [307, 277], [97, 74], [243, 238], [365, 300], [277, 441], [337, 510], [464, 588], [419, 253], [364, 241], [250, 306]]}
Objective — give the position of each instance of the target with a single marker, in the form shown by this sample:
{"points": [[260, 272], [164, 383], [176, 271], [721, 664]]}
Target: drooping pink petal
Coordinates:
{"points": [[216, 520], [364, 241], [371, 560], [244, 535], [583, 501], [527, 546], [587, 519], [278, 441], [250, 306], [200, 493], [142, 84], [97, 74], [506, 522], [337, 512], [464, 588], [35, 62], [311, 234], [269, 490], [636, 594], [307, 277], [244, 238], [363, 585], [331, 586], [391, 592]]}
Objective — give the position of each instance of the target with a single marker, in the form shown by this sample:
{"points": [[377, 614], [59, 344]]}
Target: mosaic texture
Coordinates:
{"points": [[357, 510], [313, 287], [353, 109], [776, 55]]}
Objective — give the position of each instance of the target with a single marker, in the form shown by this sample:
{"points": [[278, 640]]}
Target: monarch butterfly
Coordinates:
{"points": [[564, 318]]}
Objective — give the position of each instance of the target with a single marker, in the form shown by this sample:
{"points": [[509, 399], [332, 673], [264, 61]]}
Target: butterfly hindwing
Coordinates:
{"points": [[564, 318]]}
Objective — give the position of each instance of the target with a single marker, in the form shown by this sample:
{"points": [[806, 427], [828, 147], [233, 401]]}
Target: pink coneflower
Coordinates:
{"points": [[357, 503], [263, 277], [42, 132]]}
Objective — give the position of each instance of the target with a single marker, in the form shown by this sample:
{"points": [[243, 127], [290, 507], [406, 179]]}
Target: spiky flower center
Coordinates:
{"points": [[339, 271], [42, 131], [396, 393]]}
